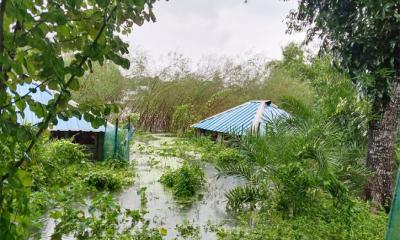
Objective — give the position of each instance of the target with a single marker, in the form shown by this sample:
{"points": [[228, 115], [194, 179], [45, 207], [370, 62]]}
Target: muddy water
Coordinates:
{"points": [[163, 210]]}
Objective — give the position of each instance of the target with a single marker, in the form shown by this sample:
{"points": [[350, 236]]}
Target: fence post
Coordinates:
{"points": [[393, 229], [115, 140], [104, 142]]}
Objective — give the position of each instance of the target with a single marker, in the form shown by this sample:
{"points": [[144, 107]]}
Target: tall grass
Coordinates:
{"points": [[159, 96]]}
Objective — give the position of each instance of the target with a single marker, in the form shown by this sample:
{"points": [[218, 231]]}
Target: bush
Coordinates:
{"points": [[103, 180], [329, 224], [184, 181], [117, 163], [65, 152], [50, 160], [228, 156]]}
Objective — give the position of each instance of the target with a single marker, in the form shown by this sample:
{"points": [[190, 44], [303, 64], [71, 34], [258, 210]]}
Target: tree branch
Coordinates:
{"points": [[2, 13]]}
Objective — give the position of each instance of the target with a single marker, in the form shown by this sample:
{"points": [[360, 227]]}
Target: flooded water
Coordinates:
{"points": [[162, 209]]}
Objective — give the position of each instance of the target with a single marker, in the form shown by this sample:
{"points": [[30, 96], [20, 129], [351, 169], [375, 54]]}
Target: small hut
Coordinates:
{"points": [[251, 117], [80, 130]]}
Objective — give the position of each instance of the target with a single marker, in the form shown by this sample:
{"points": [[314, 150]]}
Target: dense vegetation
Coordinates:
{"points": [[318, 168], [53, 43], [63, 179], [178, 95], [308, 170], [363, 38]]}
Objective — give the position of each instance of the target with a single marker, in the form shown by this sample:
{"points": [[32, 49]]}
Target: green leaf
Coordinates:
{"points": [[123, 62], [139, 3], [74, 84], [103, 3], [54, 16], [24, 177]]}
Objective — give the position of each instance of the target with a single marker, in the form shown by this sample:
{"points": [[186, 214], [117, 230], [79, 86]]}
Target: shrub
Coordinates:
{"points": [[103, 180], [168, 178], [184, 181], [329, 224], [50, 160], [65, 152], [228, 156], [117, 163]]}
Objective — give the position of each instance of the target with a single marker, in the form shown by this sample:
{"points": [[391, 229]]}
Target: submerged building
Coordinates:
{"points": [[250, 117]]}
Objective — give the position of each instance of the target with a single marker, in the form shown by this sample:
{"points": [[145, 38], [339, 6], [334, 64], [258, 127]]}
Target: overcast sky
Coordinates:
{"points": [[197, 28]]}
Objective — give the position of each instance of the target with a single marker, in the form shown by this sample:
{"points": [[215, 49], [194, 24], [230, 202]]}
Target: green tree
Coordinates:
{"points": [[364, 37], [104, 85], [36, 38]]}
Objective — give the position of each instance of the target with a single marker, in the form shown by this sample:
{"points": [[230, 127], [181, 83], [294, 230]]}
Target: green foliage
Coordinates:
{"points": [[188, 231], [184, 181], [117, 163], [314, 164], [176, 96], [103, 181], [244, 198], [59, 174], [305, 170], [65, 152], [50, 160], [53, 44], [143, 197], [228, 156], [182, 118], [103, 85], [363, 44], [329, 225], [105, 220]]}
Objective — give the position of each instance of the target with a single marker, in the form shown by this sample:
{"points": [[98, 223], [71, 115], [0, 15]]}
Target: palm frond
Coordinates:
{"points": [[244, 198], [243, 170]]}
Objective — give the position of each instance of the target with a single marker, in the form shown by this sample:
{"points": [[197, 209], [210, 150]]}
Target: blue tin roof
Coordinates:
{"points": [[250, 116], [72, 124]]}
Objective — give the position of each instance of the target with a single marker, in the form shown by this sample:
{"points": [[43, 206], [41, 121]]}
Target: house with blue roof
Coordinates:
{"points": [[250, 117], [79, 130]]}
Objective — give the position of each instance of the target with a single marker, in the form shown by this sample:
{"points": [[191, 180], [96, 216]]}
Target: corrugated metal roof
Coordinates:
{"points": [[243, 118], [72, 124]]}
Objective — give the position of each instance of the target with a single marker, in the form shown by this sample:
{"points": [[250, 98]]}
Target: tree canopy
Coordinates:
{"points": [[364, 38]]}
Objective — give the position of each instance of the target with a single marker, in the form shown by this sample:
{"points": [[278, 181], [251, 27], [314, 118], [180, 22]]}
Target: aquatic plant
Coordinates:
{"points": [[185, 181]]}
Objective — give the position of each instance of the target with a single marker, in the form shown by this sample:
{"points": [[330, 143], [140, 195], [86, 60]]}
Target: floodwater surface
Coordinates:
{"points": [[163, 210]]}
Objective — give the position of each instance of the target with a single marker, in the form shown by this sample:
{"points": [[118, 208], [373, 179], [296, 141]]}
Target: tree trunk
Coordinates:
{"points": [[382, 134]]}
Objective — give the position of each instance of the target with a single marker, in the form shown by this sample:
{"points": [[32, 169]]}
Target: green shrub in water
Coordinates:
{"points": [[103, 180], [184, 181]]}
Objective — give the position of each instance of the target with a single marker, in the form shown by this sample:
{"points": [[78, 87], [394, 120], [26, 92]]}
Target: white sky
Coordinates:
{"points": [[198, 28]]}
